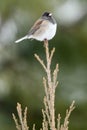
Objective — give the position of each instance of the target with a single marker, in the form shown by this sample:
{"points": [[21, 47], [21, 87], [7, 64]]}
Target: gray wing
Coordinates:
{"points": [[35, 27]]}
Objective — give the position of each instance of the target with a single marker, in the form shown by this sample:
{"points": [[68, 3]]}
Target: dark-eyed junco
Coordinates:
{"points": [[43, 29]]}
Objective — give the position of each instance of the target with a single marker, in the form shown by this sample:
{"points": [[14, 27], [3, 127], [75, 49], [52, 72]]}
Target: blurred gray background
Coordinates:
{"points": [[21, 75]]}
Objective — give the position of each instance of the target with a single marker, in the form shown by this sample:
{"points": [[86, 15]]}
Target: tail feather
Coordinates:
{"points": [[21, 39]]}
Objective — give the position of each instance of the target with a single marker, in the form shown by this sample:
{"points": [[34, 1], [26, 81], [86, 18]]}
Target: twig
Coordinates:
{"points": [[22, 125], [50, 83], [41, 62]]}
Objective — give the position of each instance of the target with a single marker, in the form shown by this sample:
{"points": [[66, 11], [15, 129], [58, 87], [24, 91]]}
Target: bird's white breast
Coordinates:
{"points": [[46, 32], [51, 31]]}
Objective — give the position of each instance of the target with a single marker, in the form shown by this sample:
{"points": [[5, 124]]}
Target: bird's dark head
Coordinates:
{"points": [[47, 14]]}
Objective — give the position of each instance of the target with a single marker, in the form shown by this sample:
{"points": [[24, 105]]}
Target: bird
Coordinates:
{"points": [[43, 29]]}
